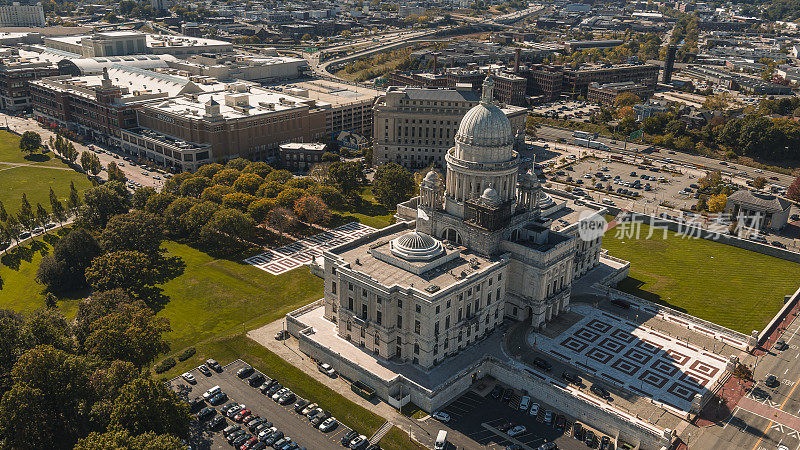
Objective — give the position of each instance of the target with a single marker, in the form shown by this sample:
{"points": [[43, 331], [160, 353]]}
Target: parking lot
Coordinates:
{"points": [[487, 420], [239, 391], [650, 185], [566, 109]]}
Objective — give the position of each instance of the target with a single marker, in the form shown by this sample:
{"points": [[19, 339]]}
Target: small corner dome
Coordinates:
{"points": [[490, 194], [432, 176]]}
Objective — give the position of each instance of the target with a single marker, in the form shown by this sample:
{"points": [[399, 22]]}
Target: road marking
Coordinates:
{"points": [[731, 417], [770, 422]]}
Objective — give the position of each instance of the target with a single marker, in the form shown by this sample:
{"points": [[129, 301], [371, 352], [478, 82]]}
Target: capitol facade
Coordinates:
{"points": [[483, 244]]}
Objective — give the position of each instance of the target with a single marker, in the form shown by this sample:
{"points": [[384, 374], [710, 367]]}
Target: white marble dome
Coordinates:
{"points": [[484, 135]]}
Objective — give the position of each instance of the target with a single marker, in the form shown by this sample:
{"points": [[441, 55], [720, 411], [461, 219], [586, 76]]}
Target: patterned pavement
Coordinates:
{"points": [[298, 253], [637, 358]]}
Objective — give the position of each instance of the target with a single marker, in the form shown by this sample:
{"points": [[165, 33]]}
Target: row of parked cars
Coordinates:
{"points": [[318, 418]]}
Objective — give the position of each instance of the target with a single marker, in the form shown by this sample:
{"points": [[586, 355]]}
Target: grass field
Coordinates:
{"points": [[19, 290], [735, 288], [42, 172], [397, 439], [369, 212], [219, 296]]}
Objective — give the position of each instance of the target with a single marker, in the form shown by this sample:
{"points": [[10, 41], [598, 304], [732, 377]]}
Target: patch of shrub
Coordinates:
{"points": [[186, 354], [165, 365]]}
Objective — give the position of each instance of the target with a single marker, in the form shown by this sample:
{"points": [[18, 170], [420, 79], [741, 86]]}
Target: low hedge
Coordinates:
{"points": [[186, 354], [165, 365]]}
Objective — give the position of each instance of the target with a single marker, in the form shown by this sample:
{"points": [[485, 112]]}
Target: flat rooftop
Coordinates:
{"points": [[444, 276], [335, 93]]}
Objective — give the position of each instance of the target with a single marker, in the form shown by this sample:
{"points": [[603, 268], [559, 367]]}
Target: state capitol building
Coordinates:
{"points": [[487, 243]]}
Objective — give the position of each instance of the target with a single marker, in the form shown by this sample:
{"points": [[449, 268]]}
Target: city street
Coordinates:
{"points": [[133, 173]]}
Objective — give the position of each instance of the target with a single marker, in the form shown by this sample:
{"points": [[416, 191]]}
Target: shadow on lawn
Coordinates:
{"points": [[633, 286], [13, 258]]}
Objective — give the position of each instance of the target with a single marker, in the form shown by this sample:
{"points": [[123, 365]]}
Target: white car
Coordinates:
{"points": [[309, 408], [328, 424], [358, 442], [265, 434], [189, 377], [534, 411], [441, 416], [327, 369], [212, 392], [517, 430]]}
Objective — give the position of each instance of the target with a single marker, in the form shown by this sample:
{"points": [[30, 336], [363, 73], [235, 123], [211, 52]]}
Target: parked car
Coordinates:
{"points": [[524, 403], [313, 413], [780, 344], [441, 416], [771, 381], [212, 392], [359, 442], [507, 395], [244, 372], [240, 416], [214, 365], [561, 422], [497, 392], [204, 370], [605, 443], [218, 399], [308, 408], [274, 437], [577, 430], [206, 413], [230, 430], [517, 430], [548, 417], [317, 420], [534, 411], [263, 435], [217, 422], [286, 398], [589, 439], [599, 391], [542, 364], [348, 438], [326, 369], [329, 424], [300, 405], [255, 379], [572, 378]]}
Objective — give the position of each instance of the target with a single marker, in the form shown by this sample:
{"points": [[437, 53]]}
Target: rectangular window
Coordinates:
{"points": [[437, 309], [333, 287], [379, 318], [399, 303], [418, 308], [364, 312], [416, 326], [350, 304], [436, 328], [399, 321], [447, 322], [458, 318], [350, 286]]}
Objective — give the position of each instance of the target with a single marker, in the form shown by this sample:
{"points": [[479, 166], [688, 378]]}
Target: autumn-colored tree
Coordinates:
{"points": [[312, 209], [759, 182], [716, 203], [280, 218], [793, 193]]}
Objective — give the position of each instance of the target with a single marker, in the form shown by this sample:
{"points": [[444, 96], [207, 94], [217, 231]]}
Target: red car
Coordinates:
{"points": [[249, 443], [239, 417]]}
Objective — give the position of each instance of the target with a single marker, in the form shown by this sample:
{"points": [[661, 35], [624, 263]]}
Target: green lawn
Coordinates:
{"points": [[19, 290], [216, 296], [368, 212], [231, 348], [35, 180], [397, 439], [735, 288]]}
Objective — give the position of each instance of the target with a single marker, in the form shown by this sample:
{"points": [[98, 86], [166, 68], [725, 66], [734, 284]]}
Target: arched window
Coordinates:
{"points": [[452, 236]]}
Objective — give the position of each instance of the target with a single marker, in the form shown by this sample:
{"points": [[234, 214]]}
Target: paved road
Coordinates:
{"points": [[766, 416], [283, 417], [545, 131], [133, 173]]}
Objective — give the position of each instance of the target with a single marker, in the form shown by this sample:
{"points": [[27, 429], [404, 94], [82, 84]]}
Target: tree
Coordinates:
{"points": [[759, 182], [627, 99], [48, 327], [717, 203], [64, 269], [115, 173], [209, 170], [135, 230], [247, 183], [97, 305], [59, 213], [174, 216], [127, 270], [238, 200], [194, 187], [122, 440], [312, 209], [215, 193], [25, 215], [70, 153], [30, 142], [73, 200], [141, 196], [280, 218], [86, 162], [237, 164], [718, 102], [229, 226], [130, 333], [199, 215], [793, 192], [146, 405], [259, 168], [226, 177], [158, 203], [259, 209], [347, 176], [48, 403], [329, 157], [42, 216], [103, 202], [392, 185], [288, 197]]}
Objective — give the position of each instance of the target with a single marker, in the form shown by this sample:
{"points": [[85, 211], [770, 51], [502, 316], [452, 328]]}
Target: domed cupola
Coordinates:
{"points": [[484, 134], [416, 246]]}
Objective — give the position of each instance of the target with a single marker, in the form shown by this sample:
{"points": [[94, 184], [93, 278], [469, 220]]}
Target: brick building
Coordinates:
{"points": [[16, 73], [606, 94], [577, 81]]}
